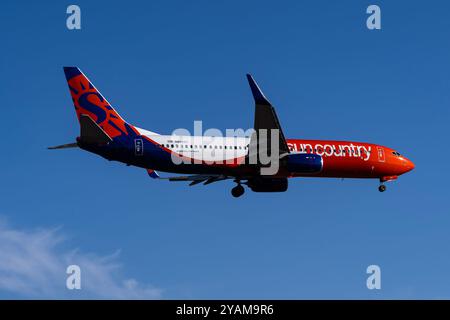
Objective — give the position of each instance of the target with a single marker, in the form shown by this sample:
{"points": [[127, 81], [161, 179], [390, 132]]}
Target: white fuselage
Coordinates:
{"points": [[206, 148]]}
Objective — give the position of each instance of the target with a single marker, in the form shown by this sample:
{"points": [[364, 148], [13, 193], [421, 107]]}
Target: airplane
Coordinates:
{"points": [[208, 160]]}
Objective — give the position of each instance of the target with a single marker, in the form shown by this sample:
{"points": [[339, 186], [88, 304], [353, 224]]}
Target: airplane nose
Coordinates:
{"points": [[409, 165]]}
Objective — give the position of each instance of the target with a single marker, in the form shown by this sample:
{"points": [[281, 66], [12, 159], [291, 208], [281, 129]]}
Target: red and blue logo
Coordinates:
{"points": [[88, 100]]}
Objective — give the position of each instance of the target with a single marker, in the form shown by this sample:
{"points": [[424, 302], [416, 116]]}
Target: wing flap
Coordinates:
{"points": [[198, 178]]}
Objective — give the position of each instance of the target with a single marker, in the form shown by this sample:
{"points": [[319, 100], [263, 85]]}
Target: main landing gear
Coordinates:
{"points": [[382, 188], [238, 190]]}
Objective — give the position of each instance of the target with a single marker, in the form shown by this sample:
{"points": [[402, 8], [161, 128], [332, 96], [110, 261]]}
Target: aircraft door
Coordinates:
{"points": [[138, 147], [381, 156]]}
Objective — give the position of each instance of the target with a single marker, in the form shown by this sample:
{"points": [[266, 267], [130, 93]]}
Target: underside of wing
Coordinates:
{"points": [[196, 178]]}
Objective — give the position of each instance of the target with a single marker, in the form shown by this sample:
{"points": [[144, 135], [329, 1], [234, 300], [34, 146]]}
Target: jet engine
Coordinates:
{"points": [[303, 163], [268, 184]]}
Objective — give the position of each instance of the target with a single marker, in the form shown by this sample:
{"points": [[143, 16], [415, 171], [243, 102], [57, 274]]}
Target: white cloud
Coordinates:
{"points": [[32, 265]]}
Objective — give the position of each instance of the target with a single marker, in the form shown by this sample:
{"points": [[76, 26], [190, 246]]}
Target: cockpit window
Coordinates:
{"points": [[395, 153]]}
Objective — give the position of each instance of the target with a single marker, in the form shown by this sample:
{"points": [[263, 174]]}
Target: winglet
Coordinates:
{"points": [[256, 91], [152, 173]]}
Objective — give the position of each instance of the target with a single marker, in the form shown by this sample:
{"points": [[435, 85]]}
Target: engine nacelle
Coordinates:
{"points": [[268, 184], [304, 163]]}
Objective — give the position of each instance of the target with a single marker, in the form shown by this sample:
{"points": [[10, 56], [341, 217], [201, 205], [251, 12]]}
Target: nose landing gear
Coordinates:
{"points": [[382, 188], [237, 191]]}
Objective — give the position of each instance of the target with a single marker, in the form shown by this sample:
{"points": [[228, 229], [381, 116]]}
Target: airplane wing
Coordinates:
{"points": [[199, 178], [90, 132], [193, 179], [265, 118]]}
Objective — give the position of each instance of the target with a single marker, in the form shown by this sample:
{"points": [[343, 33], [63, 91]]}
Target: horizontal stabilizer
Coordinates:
{"points": [[64, 146]]}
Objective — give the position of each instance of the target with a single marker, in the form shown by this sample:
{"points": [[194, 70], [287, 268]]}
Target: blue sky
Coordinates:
{"points": [[164, 64]]}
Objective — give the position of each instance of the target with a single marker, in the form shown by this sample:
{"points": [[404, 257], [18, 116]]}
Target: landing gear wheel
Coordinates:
{"points": [[382, 188], [237, 191]]}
